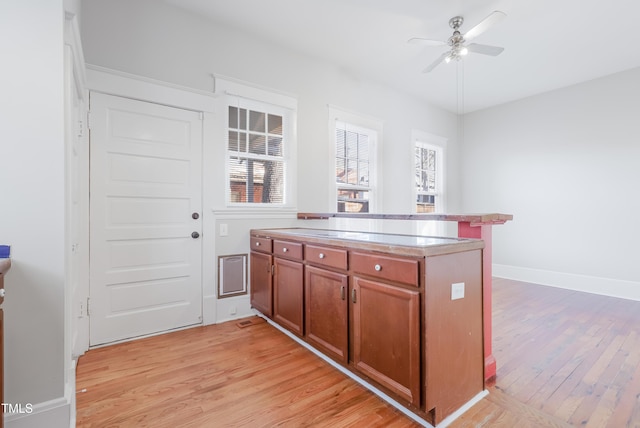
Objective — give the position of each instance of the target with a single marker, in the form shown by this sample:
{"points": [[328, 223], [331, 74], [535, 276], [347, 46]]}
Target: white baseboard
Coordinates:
{"points": [[233, 308], [216, 311], [54, 413], [209, 305], [589, 284]]}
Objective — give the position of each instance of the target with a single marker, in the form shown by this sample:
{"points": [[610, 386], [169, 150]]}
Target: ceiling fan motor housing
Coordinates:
{"points": [[456, 22]]}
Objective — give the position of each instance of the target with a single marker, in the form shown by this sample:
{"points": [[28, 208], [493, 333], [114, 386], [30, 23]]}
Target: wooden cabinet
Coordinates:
{"points": [[326, 257], [397, 269], [5, 265], [261, 282], [327, 311], [386, 336], [380, 305], [288, 287], [288, 294], [287, 249]]}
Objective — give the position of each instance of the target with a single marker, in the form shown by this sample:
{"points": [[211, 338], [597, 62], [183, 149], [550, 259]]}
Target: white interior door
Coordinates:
{"points": [[145, 218]]}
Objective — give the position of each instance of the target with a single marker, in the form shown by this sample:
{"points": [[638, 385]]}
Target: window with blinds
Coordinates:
{"points": [[255, 155], [426, 175], [354, 146]]}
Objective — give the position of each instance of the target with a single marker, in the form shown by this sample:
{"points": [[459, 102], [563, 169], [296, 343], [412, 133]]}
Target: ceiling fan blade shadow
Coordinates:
{"points": [[493, 18], [435, 63], [425, 42], [485, 49]]}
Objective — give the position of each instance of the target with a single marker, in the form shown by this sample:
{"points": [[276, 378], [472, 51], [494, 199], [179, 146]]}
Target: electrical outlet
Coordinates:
{"points": [[457, 290], [233, 310], [224, 229]]}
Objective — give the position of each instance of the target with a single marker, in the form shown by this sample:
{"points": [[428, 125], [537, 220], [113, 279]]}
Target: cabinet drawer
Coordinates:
{"points": [[261, 244], [288, 249], [324, 256], [396, 269]]}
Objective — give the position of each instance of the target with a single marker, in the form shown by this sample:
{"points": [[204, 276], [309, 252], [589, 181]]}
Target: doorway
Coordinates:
{"points": [[145, 218]]}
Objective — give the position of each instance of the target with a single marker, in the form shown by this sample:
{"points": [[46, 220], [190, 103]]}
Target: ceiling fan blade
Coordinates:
{"points": [[484, 25], [485, 49], [435, 63], [425, 42]]}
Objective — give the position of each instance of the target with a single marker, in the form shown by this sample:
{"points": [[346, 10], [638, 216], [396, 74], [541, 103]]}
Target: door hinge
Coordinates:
{"points": [[201, 115], [273, 270], [88, 119], [88, 312]]}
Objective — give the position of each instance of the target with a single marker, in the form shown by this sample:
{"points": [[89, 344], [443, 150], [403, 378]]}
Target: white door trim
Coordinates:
{"points": [[113, 82]]}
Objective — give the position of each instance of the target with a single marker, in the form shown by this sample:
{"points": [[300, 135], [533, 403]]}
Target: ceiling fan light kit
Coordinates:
{"points": [[457, 42]]}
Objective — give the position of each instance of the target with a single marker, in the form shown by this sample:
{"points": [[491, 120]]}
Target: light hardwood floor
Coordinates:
{"points": [[564, 359]]}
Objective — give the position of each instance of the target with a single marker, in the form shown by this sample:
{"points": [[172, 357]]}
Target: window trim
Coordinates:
{"points": [[237, 95], [364, 123]]}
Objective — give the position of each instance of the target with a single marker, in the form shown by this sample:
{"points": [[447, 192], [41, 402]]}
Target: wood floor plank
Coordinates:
{"points": [[565, 358]]}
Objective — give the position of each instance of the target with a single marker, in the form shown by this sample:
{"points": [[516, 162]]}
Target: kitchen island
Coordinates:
{"points": [[402, 312]]}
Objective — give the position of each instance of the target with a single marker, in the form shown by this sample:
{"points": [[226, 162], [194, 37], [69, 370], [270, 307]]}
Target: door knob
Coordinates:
{"points": [[195, 235], [195, 216]]}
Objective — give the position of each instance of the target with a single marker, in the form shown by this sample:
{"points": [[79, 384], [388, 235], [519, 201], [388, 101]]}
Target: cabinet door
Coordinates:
{"points": [[386, 336], [288, 294], [261, 283], [326, 312]]}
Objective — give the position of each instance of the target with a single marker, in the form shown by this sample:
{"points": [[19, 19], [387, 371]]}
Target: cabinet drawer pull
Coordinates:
{"points": [[321, 255], [285, 249], [342, 296], [378, 268], [353, 295]]}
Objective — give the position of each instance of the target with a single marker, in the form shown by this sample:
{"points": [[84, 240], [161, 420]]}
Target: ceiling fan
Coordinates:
{"points": [[458, 41]]}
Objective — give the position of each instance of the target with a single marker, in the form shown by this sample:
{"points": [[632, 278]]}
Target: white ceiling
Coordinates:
{"points": [[548, 43]]}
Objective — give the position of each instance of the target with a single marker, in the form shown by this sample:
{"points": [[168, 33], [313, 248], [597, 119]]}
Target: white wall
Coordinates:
{"points": [[32, 202], [567, 165], [152, 39]]}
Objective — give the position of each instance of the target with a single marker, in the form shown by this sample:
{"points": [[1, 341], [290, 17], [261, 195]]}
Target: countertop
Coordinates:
{"points": [[415, 245], [474, 219]]}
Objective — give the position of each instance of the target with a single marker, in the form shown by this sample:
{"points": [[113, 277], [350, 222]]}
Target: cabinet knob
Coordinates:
{"points": [[378, 268], [321, 255], [285, 249], [257, 244]]}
